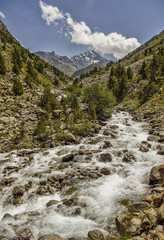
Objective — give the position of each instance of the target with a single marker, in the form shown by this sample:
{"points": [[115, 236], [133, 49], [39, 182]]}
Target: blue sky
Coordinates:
{"points": [[70, 27]]}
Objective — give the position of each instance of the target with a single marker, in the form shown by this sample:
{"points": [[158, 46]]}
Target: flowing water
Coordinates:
{"points": [[88, 202]]}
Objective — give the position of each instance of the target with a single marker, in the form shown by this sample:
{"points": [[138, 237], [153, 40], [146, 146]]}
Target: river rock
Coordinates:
{"points": [[128, 157], [51, 202], [158, 236], [135, 226], [153, 138], [146, 225], [51, 237], [161, 213], [122, 222], [68, 158], [106, 132], [95, 235], [137, 206], [18, 191], [24, 234], [160, 152], [151, 214], [105, 157], [107, 144], [156, 174], [105, 171]]}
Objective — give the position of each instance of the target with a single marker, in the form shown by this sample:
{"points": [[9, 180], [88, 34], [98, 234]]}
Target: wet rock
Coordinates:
{"points": [[160, 152], [128, 157], [157, 174], [122, 222], [24, 234], [51, 237], [153, 138], [95, 235], [114, 127], [126, 202], [105, 157], [105, 171], [107, 144], [18, 191], [7, 181], [68, 158], [144, 148], [161, 213], [51, 202], [148, 198], [41, 190], [137, 206], [106, 132]]}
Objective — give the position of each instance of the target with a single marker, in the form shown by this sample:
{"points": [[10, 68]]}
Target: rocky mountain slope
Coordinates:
{"points": [[23, 77], [144, 90], [75, 63]]}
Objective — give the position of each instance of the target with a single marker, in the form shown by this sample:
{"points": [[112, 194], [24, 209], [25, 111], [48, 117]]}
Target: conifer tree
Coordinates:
{"points": [[2, 65]]}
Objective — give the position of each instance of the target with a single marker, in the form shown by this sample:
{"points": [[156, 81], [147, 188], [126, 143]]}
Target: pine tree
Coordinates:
{"points": [[2, 65], [143, 70], [129, 73], [17, 87]]}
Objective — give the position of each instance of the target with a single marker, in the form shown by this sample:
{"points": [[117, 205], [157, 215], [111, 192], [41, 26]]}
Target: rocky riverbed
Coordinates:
{"points": [[71, 190]]}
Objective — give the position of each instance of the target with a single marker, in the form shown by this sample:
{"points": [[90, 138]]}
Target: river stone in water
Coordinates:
{"points": [[157, 174], [105, 171], [68, 158], [105, 157], [18, 191], [95, 235], [51, 237]]}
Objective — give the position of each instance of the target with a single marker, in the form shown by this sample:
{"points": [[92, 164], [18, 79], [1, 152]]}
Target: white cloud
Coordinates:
{"points": [[113, 43], [50, 13], [2, 15]]}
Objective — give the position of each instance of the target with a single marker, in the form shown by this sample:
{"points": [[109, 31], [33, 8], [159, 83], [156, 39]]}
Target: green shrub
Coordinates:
{"points": [[99, 97], [48, 100], [82, 129], [64, 137], [17, 87], [42, 130]]}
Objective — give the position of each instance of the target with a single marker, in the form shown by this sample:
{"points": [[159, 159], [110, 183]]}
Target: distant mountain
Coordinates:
{"points": [[73, 64], [88, 58]]}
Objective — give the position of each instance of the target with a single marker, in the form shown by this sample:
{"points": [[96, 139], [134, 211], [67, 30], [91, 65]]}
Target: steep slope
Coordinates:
{"points": [[78, 62], [144, 91], [23, 77]]}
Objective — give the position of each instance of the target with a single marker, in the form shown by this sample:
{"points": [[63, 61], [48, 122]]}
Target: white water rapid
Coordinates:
{"points": [[87, 202]]}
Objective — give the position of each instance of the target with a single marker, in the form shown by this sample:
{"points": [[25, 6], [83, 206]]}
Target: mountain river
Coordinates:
{"points": [[86, 197]]}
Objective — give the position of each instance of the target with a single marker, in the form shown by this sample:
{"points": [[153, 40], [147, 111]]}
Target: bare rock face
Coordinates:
{"points": [[157, 174], [95, 235], [51, 237]]}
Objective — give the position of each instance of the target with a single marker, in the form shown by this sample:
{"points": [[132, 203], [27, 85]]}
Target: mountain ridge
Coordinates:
{"points": [[73, 64]]}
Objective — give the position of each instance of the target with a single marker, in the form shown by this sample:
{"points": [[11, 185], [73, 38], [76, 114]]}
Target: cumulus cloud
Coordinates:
{"points": [[113, 43], [2, 15], [50, 13]]}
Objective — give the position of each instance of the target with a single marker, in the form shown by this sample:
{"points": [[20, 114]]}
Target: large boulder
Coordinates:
{"points": [[156, 174], [95, 235], [51, 237]]}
